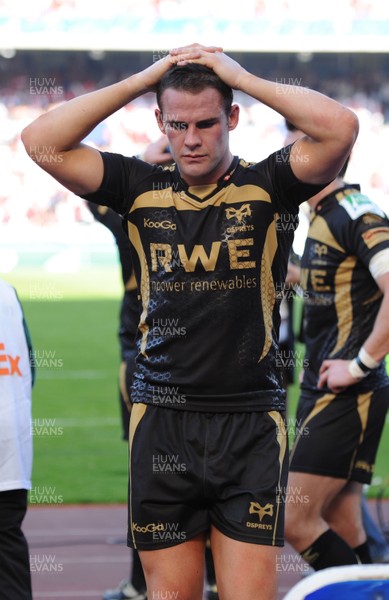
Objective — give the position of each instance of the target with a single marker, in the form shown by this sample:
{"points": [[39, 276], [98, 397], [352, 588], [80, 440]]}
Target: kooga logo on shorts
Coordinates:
{"points": [[159, 224], [149, 528]]}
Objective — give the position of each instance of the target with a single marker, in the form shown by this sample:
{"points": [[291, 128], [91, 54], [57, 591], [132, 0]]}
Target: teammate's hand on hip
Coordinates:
{"points": [[335, 375]]}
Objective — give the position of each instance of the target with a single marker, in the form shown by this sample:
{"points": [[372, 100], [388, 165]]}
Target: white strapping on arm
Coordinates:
{"points": [[379, 264]]}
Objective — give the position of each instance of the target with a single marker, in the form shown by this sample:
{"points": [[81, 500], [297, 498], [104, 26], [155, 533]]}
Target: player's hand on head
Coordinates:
{"points": [[193, 51], [212, 57], [151, 76]]}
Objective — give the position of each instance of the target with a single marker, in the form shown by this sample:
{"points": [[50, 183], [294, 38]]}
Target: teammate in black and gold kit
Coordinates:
{"points": [[345, 389], [135, 586], [209, 256], [129, 311]]}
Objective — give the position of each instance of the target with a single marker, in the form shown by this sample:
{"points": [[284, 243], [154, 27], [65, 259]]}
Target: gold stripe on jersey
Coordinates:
{"points": [[320, 231], [320, 405], [268, 293], [137, 412], [133, 233], [282, 442], [165, 198], [343, 301], [364, 403]]}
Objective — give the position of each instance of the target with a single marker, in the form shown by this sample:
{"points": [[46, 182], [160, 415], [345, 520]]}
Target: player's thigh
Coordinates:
{"points": [[309, 495], [244, 570], [177, 571]]}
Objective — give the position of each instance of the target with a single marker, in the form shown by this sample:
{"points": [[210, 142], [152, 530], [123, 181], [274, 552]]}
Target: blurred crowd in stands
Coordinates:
{"points": [[178, 9], [30, 197]]}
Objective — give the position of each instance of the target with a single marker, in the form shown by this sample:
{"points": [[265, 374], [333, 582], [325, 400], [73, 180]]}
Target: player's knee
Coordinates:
{"points": [[166, 579], [296, 522], [179, 590]]}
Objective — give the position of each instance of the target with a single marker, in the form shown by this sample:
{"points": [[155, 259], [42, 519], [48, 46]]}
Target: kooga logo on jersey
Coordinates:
{"points": [[159, 224]]}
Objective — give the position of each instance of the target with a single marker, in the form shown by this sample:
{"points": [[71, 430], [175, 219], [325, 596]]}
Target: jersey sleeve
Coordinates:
{"points": [[121, 176], [367, 233], [290, 191]]}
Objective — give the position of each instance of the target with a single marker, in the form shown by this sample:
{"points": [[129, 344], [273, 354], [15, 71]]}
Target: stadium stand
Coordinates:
{"points": [[33, 80], [255, 24], [35, 84]]}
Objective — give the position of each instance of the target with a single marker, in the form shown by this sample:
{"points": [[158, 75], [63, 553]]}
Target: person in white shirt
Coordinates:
{"points": [[16, 381]]}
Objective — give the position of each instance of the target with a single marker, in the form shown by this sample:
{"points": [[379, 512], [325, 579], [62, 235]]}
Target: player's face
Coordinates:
{"points": [[198, 129]]}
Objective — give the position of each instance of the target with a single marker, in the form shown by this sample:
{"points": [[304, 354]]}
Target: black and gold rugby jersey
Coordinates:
{"points": [[341, 298], [210, 263]]}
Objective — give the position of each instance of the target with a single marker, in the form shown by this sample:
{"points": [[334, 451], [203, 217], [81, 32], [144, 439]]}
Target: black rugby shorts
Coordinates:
{"points": [[190, 470], [338, 434]]}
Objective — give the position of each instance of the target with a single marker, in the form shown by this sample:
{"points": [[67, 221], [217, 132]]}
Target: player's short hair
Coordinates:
{"points": [[194, 78]]}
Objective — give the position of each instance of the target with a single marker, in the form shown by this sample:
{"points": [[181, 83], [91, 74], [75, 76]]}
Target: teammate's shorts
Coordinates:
{"points": [[189, 470], [338, 435]]}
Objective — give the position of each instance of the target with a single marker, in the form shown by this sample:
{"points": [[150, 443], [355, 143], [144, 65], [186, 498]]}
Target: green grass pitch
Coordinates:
{"points": [[79, 455]]}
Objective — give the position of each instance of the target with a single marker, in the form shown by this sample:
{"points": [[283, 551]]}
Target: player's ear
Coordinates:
{"points": [[158, 116], [233, 117]]}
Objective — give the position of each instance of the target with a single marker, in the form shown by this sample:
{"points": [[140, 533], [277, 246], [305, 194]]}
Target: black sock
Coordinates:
{"points": [[329, 550], [363, 553], [137, 576]]}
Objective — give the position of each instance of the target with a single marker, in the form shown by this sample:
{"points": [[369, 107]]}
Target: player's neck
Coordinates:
{"points": [[334, 185]]}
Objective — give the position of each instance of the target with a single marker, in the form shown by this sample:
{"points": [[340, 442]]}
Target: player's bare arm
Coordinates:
{"points": [[330, 128], [338, 374], [157, 152], [59, 132]]}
